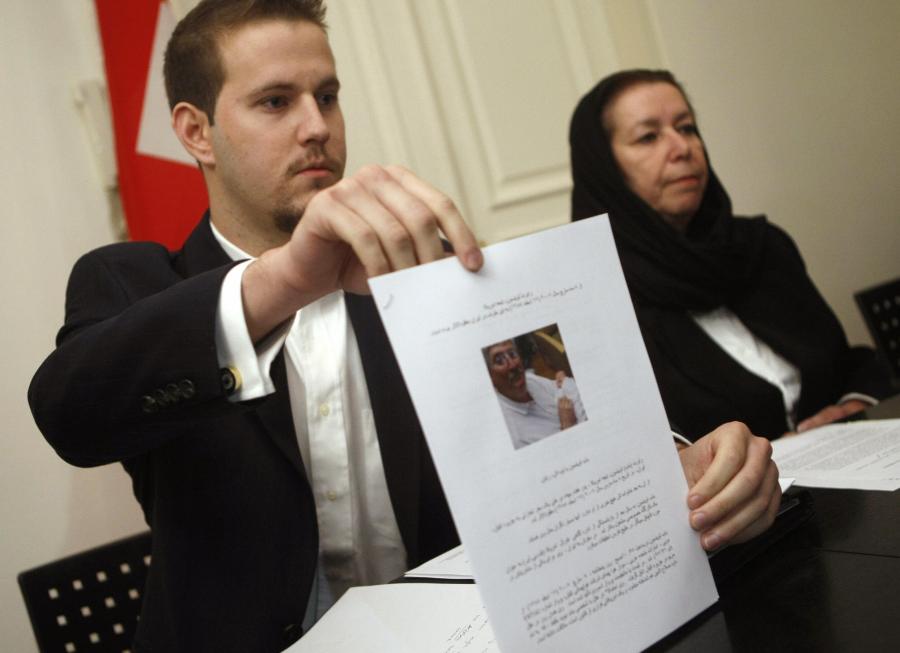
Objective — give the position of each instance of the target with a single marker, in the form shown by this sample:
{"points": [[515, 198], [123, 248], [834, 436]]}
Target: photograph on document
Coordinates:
{"points": [[535, 388]]}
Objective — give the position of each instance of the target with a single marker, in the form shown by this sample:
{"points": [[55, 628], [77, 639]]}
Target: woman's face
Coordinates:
{"points": [[656, 144]]}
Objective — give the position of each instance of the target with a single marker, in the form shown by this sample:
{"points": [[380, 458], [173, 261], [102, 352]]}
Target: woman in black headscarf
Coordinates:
{"points": [[734, 326]]}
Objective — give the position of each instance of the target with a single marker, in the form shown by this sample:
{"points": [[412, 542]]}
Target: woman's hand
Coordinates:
{"points": [[831, 414]]}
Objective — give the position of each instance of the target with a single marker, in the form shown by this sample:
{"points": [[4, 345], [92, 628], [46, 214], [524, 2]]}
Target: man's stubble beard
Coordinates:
{"points": [[287, 219]]}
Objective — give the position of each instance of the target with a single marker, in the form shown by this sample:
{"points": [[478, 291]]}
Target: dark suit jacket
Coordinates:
{"points": [[222, 485]]}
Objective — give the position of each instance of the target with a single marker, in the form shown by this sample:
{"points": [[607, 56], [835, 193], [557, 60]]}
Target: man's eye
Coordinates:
{"points": [[327, 99], [274, 102], [688, 129], [649, 137]]}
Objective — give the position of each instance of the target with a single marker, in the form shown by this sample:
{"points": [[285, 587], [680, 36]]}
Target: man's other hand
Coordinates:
{"points": [[733, 485]]}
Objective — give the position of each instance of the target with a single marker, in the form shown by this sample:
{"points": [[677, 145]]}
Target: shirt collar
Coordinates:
{"points": [[234, 252], [522, 407]]}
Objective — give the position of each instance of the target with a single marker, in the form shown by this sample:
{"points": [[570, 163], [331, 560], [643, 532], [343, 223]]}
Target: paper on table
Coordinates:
{"points": [[452, 564], [583, 535], [861, 455], [403, 618]]}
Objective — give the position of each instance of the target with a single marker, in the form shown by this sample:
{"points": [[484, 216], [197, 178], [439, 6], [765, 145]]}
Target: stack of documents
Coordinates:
{"points": [[452, 565], [403, 618], [858, 455]]}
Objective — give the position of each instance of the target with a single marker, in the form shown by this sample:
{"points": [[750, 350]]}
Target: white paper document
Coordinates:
{"points": [[861, 455], [454, 564], [571, 502], [403, 618]]}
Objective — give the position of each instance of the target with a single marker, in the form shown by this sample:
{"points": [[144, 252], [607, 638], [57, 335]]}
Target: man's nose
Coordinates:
{"points": [[312, 126]]}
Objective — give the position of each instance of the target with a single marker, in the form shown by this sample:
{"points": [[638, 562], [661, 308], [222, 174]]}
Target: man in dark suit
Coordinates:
{"points": [[256, 405]]}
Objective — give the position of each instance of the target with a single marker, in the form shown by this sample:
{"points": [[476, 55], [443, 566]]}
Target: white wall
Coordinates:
{"points": [[798, 105], [53, 210]]}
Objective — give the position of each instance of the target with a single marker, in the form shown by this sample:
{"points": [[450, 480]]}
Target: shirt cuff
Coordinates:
{"points": [[235, 349], [680, 438], [850, 396]]}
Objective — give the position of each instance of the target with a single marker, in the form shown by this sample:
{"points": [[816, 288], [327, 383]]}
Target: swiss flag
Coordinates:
{"points": [[162, 189]]}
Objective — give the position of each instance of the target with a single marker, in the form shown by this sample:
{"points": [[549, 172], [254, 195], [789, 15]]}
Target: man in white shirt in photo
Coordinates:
{"points": [[533, 406]]}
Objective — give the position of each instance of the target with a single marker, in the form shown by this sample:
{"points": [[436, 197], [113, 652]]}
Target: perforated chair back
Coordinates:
{"points": [[88, 602], [880, 307]]}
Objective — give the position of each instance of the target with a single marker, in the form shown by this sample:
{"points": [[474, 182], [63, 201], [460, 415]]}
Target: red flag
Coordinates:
{"points": [[163, 197]]}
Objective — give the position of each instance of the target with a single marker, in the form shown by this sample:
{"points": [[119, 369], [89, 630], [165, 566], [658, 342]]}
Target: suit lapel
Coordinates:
{"points": [[202, 252], [411, 478]]}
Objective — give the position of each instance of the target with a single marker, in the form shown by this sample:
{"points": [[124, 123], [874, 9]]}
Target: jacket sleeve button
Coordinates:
{"points": [[162, 399], [148, 404], [186, 386]]}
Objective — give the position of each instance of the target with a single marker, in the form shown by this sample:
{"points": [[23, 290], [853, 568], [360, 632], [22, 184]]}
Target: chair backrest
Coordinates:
{"points": [[880, 307], [89, 601]]}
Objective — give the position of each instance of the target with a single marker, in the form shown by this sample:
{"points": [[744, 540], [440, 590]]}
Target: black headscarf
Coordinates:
{"points": [[701, 269], [746, 264]]}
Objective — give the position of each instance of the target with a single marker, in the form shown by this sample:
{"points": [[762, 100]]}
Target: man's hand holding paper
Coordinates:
{"points": [[379, 220], [733, 485]]}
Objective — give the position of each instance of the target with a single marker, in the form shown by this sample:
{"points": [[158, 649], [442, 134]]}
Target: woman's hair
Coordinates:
{"points": [[612, 86]]}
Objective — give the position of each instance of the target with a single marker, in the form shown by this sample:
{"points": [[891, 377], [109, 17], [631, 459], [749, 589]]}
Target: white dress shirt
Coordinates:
{"points": [[359, 540], [727, 330], [534, 420]]}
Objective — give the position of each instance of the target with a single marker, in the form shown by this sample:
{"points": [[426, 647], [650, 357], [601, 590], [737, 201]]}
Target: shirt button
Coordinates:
{"points": [[324, 410], [332, 495]]}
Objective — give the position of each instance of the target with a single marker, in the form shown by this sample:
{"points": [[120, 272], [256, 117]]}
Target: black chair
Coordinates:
{"points": [[89, 601], [880, 307]]}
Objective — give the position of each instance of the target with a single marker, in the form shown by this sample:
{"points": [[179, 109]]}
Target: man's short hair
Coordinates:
{"points": [[193, 68]]}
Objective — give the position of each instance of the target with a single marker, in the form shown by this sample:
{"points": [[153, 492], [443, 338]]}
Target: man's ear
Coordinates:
{"points": [[192, 128]]}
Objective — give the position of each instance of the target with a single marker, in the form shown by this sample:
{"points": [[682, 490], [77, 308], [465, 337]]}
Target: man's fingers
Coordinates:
{"points": [[372, 223], [398, 245], [361, 237], [748, 519], [447, 216], [724, 452], [744, 482], [767, 518]]}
